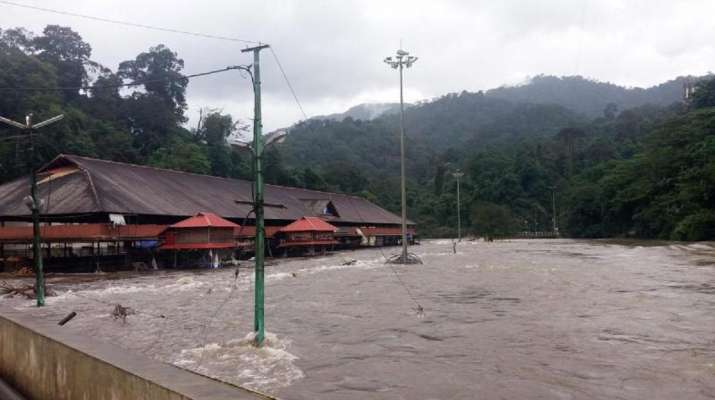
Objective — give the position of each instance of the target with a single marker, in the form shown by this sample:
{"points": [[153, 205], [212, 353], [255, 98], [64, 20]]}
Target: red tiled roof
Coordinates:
{"points": [[309, 224], [204, 220]]}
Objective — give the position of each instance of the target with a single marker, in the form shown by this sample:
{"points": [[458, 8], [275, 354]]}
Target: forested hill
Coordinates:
{"points": [[643, 166], [634, 172], [587, 96]]}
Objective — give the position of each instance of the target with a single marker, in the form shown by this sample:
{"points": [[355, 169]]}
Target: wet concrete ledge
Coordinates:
{"points": [[44, 362]]}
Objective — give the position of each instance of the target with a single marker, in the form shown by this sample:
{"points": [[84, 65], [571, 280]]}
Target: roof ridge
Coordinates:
{"points": [[211, 176], [70, 156]]}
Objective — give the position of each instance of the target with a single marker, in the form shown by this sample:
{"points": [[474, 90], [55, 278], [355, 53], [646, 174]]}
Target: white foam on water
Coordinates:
{"points": [[359, 264], [441, 242], [239, 361], [278, 276], [701, 246], [185, 283], [438, 254]]}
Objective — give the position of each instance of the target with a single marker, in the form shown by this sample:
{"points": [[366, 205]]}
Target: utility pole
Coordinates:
{"points": [[258, 308], [553, 209], [34, 202], [403, 59], [458, 174]]}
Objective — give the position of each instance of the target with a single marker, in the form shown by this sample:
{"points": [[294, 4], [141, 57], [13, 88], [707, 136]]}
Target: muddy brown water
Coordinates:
{"points": [[530, 319]]}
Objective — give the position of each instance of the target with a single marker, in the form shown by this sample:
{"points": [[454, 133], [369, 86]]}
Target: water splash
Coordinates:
{"points": [[239, 360]]}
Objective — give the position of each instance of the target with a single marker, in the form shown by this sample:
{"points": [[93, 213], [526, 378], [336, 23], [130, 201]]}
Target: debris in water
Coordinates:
{"points": [[26, 290], [351, 261], [67, 318], [122, 312], [410, 259], [419, 311]]}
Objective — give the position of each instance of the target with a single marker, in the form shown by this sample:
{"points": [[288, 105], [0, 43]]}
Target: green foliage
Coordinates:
{"points": [[182, 156], [704, 95], [493, 220], [144, 126], [697, 226]]}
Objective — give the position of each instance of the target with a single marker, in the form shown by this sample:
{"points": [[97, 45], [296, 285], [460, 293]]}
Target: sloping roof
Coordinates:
{"points": [[78, 185], [309, 224], [205, 220]]}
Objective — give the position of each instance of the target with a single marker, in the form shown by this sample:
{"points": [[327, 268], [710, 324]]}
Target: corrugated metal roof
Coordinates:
{"points": [[205, 220], [87, 185], [309, 224]]}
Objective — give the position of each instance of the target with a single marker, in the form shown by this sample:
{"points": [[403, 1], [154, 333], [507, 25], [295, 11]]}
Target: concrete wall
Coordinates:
{"points": [[45, 362]]}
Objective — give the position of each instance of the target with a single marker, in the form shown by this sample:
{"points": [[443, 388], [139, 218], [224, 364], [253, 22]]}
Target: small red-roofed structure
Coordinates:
{"points": [[203, 231], [307, 233]]}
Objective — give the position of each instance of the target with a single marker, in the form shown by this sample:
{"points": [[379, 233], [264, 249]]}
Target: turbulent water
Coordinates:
{"points": [[551, 319]]}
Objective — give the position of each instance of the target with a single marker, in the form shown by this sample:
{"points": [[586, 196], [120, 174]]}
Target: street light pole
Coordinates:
{"points": [[458, 174], [403, 59], [259, 296], [553, 209], [34, 202]]}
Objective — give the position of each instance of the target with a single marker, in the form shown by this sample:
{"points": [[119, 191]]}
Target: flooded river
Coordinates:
{"points": [[523, 319]]}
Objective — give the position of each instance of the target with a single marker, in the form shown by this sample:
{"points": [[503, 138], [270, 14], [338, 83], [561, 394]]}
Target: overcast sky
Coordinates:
{"points": [[332, 51]]}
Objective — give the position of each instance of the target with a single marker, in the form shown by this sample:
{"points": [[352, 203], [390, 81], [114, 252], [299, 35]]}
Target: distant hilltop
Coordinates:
{"points": [[365, 112], [576, 93], [590, 97]]}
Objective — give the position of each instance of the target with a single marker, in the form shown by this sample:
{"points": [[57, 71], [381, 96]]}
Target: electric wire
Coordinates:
{"points": [[418, 307], [119, 85], [290, 86], [127, 23]]}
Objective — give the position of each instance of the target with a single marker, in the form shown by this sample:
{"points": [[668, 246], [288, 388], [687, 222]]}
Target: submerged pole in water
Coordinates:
{"points": [[458, 174], [258, 309]]}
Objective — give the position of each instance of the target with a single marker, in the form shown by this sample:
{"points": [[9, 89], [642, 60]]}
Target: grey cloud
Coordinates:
{"points": [[333, 50]]}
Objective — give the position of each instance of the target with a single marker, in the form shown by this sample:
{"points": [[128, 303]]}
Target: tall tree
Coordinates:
{"points": [[159, 71], [65, 49]]}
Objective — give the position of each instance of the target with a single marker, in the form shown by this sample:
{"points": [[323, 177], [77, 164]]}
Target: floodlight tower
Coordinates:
{"points": [[402, 59]]}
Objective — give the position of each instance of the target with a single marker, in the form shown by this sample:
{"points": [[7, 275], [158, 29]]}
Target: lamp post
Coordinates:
{"points": [[402, 59], [458, 174], [34, 202], [553, 210]]}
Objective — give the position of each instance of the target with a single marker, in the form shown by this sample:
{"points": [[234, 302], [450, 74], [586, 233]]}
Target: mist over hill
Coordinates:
{"points": [[365, 111], [364, 133], [588, 96]]}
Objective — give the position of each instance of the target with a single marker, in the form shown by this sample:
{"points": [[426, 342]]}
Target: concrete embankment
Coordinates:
{"points": [[43, 361]]}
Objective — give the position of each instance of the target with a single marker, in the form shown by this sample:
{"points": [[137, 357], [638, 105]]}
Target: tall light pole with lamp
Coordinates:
{"points": [[34, 202], [402, 60]]}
